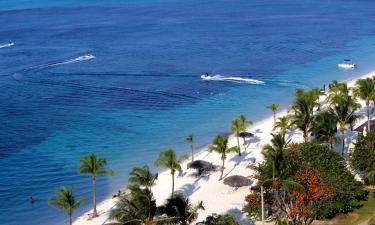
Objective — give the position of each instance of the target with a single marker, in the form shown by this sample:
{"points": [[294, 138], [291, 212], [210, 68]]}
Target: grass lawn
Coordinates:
{"points": [[357, 217]]}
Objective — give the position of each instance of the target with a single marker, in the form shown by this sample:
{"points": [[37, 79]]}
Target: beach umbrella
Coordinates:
{"points": [[237, 181], [199, 165], [246, 134]]}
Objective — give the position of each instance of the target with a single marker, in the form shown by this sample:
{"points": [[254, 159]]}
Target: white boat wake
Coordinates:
{"points": [[7, 45], [69, 61], [232, 79], [82, 58]]}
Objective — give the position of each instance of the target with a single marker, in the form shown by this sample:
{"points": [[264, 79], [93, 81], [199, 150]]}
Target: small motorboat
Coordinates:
{"points": [[88, 56], [347, 64], [206, 77], [7, 45], [85, 57]]}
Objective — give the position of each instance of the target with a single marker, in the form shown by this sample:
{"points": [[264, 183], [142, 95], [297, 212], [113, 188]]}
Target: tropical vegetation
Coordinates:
{"points": [[362, 157], [273, 107], [65, 200], [365, 90], [220, 146], [170, 161]]}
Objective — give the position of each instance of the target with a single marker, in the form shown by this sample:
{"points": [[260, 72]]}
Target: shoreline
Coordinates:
{"points": [[216, 197]]}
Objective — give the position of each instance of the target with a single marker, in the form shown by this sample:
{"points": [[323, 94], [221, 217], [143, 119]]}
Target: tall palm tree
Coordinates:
{"points": [[220, 146], [142, 177], [244, 123], [302, 111], [179, 207], [283, 124], [64, 199], [237, 128], [274, 152], [190, 140], [344, 107], [273, 107], [365, 90], [324, 127], [93, 166], [169, 160]]}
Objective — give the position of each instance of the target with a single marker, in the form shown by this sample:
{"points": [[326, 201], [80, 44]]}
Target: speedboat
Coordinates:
{"points": [[7, 45], [88, 56], [85, 57], [206, 77], [347, 64]]}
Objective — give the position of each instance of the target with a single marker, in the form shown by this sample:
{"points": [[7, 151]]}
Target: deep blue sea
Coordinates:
{"points": [[143, 92]]}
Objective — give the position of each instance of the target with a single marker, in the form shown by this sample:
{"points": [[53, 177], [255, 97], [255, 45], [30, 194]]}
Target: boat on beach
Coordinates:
{"points": [[347, 64]]}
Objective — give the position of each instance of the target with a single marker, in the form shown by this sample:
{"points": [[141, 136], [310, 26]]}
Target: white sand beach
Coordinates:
{"points": [[217, 197]]}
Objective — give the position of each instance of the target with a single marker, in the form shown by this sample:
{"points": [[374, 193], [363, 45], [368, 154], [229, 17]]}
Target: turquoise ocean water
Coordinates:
{"points": [[143, 93]]}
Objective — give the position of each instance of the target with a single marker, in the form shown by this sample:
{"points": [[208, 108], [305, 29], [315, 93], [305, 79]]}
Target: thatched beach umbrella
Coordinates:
{"points": [[199, 165], [246, 134], [237, 181]]}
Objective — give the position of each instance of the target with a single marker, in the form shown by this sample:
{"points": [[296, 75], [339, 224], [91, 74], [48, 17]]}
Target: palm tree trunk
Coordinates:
{"points": [[192, 152], [238, 143], [305, 136], [70, 219], [274, 118], [368, 117], [172, 172], [343, 141], [330, 141], [222, 169], [94, 213]]}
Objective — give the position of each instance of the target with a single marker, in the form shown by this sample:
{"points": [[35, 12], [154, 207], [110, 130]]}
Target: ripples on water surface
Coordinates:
{"points": [[143, 90]]}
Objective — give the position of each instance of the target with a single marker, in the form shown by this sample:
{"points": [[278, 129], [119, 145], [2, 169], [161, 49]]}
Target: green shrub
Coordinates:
{"points": [[332, 169], [362, 158], [347, 192]]}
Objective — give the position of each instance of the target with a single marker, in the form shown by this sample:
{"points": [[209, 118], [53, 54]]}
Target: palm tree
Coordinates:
{"points": [[324, 127], [365, 90], [179, 207], [343, 106], [142, 177], [64, 199], [273, 107], [274, 152], [169, 160], [244, 123], [190, 140], [237, 128], [220, 146], [93, 166], [136, 208], [302, 109], [283, 124]]}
